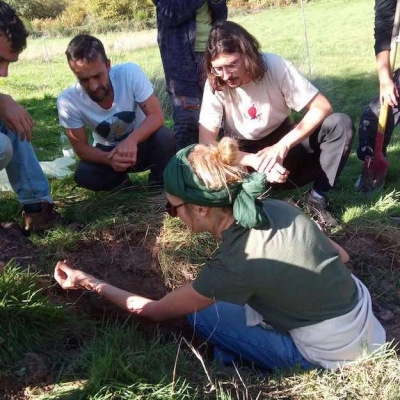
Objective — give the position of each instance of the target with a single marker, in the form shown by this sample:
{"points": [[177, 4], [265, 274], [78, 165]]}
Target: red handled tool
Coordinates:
{"points": [[375, 167]]}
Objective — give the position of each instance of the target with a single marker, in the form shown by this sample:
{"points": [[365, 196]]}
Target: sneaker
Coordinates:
{"points": [[358, 184], [319, 209], [38, 222]]}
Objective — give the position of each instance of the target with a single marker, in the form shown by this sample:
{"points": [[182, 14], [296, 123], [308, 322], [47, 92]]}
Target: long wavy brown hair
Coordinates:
{"points": [[228, 37]]}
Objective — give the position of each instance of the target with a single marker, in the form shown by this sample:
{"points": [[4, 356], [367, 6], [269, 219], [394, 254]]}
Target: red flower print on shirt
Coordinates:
{"points": [[252, 111]]}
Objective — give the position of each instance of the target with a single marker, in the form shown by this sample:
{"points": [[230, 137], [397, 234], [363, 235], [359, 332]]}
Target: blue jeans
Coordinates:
{"points": [[23, 169], [224, 325]]}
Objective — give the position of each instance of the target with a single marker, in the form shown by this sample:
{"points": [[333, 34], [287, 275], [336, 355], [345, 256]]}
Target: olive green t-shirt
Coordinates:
{"points": [[203, 28], [289, 272]]}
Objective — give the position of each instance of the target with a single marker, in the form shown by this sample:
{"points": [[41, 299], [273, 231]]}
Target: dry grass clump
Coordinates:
{"points": [[374, 377], [181, 253]]}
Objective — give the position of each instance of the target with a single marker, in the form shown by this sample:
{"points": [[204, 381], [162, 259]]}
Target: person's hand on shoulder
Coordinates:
{"points": [[16, 117]]}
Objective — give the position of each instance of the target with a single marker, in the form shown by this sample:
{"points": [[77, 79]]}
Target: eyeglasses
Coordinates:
{"points": [[232, 67], [171, 209]]}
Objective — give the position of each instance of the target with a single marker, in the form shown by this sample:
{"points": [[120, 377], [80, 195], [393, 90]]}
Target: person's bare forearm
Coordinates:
{"points": [[383, 66], [91, 154], [206, 136], [311, 121], [121, 298], [318, 110], [181, 301], [152, 123]]}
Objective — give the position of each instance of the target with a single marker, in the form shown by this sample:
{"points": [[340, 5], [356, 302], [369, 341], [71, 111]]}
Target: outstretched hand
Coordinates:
{"points": [[68, 277]]}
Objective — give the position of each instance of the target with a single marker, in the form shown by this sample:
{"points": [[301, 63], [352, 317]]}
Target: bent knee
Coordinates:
{"points": [[164, 136], [340, 125], [6, 150]]}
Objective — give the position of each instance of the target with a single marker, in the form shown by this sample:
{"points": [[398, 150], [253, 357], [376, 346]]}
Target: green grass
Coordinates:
{"points": [[115, 361], [30, 323]]}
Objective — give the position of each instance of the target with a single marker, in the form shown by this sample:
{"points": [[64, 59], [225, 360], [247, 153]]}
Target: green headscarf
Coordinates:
{"points": [[182, 182]]}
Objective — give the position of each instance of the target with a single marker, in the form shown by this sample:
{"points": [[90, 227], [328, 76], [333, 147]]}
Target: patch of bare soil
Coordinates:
{"points": [[14, 245], [124, 262]]}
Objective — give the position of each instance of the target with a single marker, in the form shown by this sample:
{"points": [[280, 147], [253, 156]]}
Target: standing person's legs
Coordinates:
{"points": [[224, 325], [368, 127], [185, 113]]}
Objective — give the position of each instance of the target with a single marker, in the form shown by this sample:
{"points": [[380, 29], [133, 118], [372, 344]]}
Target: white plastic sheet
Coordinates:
{"points": [[57, 168]]}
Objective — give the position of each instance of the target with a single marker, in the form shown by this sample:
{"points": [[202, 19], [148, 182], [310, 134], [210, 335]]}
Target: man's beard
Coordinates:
{"points": [[100, 94]]}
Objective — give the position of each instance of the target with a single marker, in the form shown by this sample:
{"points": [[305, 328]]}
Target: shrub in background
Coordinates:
{"points": [[249, 4], [97, 16], [65, 18], [31, 9], [117, 9]]}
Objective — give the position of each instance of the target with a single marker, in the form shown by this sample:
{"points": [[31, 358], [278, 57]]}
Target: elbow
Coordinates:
{"points": [[205, 136], [327, 108], [80, 152], [345, 258], [158, 120], [161, 120]]}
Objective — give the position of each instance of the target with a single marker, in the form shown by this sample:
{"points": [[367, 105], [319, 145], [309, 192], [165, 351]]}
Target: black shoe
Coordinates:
{"points": [[319, 209]]}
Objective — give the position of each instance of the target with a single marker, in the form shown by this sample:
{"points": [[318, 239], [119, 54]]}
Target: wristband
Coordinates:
{"points": [[94, 288]]}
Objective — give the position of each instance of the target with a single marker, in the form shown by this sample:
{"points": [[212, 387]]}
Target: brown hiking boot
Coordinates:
{"points": [[38, 222]]}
